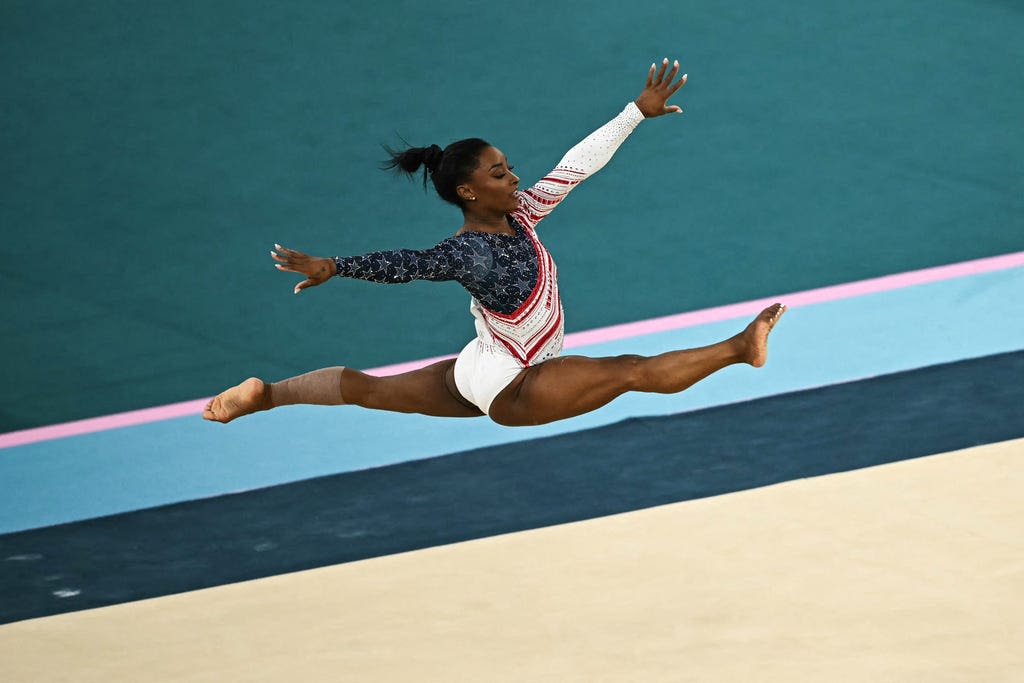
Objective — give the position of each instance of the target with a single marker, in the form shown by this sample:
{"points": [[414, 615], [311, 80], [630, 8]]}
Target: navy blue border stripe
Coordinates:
{"points": [[630, 465]]}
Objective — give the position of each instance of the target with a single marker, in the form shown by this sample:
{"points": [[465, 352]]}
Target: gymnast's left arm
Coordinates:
{"points": [[593, 152]]}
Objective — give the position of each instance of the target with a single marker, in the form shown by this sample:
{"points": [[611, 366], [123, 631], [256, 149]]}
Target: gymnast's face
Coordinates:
{"points": [[493, 184]]}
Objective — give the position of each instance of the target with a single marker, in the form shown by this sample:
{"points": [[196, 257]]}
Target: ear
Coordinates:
{"points": [[465, 193]]}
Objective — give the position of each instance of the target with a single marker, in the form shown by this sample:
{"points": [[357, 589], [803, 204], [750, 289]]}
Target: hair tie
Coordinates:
{"points": [[432, 157]]}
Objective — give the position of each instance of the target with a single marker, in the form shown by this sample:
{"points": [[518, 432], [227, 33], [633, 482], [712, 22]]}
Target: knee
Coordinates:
{"points": [[631, 368], [359, 389]]}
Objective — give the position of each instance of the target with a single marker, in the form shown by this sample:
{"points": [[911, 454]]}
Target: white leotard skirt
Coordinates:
{"points": [[482, 370]]}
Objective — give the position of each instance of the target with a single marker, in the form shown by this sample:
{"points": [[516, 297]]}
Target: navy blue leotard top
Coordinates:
{"points": [[499, 270]]}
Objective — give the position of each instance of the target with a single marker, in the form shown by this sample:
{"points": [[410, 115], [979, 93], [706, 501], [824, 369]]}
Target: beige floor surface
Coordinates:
{"points": [[908, 572]]}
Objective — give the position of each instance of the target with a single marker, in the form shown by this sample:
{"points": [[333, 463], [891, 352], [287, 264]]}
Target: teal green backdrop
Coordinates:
{"points": [[152, 153]]}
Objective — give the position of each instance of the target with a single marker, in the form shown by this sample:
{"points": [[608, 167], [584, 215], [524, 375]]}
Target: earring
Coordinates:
{"points": [[472, 199]]}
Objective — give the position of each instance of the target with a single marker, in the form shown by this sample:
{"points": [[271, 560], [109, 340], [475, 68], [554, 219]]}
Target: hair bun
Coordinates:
{"points": [[432, 157]]}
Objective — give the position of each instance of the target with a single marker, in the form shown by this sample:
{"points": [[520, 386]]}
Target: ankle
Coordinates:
{"points": [[737, 349], [267, 400]]}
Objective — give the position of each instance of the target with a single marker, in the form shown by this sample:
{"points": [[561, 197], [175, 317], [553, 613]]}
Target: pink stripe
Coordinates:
{"points": [[157, 413], [604, 334], [99, 424], [805, 298]]}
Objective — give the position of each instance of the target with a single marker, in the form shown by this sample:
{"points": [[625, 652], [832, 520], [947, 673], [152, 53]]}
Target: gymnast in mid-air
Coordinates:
{"points": [[512, 370]]}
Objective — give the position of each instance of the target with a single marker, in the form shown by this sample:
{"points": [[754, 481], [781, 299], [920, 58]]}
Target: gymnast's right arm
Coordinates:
{"points": [[449, 260]]}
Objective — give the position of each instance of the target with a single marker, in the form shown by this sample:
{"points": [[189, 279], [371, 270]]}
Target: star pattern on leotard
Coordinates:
{"points": [[499, 270]]}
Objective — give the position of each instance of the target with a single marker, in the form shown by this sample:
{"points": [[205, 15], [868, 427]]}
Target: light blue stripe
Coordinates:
{"points": [[165, 462]]}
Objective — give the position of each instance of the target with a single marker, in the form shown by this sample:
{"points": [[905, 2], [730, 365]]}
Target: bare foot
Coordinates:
{"points": [[755, 337], [243, 399]]}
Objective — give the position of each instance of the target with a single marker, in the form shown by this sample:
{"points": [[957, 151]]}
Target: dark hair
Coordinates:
{"points": [[447, 168]]}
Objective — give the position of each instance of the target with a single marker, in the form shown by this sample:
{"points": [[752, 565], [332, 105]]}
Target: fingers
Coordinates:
{"points": [[661, 71], [661, 79], [678, 85], [673, 72], [305, 283], [287, 252], [666, 81], [285, 263], [292, 260]]}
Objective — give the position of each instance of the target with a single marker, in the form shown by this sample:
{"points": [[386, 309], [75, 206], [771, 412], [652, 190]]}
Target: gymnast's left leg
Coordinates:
{"points": [[568, 386]]}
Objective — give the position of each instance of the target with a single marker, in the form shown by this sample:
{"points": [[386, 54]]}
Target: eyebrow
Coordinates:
{"points": [[497, 165]]}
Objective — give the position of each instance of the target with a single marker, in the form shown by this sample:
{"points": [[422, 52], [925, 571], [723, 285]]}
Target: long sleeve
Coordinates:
{"points": [[583, 160], [499, 270], [449, 260]]}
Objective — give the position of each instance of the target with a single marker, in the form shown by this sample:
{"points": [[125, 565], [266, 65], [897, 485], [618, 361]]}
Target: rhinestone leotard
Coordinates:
{"points": [[506, 273]]}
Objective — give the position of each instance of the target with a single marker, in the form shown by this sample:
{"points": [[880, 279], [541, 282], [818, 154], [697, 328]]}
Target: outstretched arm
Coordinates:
{"points": [[452, 259], [594, 151]]}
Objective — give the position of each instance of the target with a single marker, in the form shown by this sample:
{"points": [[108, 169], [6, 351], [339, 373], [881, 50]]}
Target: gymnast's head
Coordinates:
{"points": [[471, 174]]}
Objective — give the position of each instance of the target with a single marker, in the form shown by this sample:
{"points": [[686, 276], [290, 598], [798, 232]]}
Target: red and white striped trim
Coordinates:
{"points": [[535, 330], [538, 201]]}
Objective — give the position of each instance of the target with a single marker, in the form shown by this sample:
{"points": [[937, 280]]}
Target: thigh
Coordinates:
{"points": [[429, 391], [563, 387]]}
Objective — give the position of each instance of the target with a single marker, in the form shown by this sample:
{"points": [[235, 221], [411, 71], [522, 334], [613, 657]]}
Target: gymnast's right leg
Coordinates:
{"points": [[429, 391]]}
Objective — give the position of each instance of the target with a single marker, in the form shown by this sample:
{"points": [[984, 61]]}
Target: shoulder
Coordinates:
{"points": [[461, 239], [468, 242]]}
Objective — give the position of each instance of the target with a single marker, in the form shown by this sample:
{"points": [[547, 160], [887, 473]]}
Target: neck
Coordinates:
{"points": [[485, 222]]}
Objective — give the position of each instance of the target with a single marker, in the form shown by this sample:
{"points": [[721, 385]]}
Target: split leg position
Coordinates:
{"points": [[557, 389]]}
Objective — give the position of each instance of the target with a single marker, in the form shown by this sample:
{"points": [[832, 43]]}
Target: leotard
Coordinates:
{"points": [[512, 279]]}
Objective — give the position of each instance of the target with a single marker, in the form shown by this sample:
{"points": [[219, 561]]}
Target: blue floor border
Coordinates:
{"points": [[183, 459]]}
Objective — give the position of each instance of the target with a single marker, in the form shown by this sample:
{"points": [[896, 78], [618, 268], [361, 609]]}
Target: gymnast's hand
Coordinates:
{"points": [[316, 270], [652, 101]]}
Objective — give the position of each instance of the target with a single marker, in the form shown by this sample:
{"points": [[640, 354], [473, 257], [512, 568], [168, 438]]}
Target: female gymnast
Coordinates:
{"points": [[512, 370]]}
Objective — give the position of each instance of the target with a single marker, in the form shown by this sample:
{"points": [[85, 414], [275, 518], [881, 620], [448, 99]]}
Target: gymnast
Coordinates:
{"points": [[512, 370]]}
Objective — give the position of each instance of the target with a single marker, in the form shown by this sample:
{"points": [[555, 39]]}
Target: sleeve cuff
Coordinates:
{"points": [[633, 114]]}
